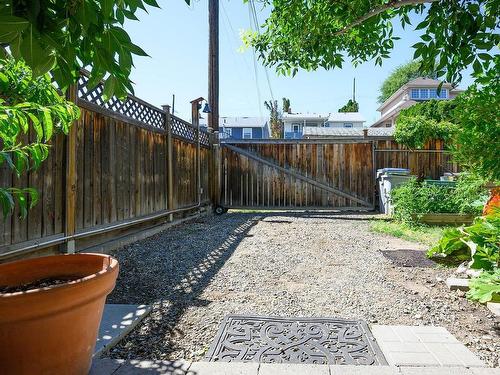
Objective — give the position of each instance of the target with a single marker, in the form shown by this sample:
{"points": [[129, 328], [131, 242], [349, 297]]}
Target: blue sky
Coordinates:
{"points": [[176, 38]]}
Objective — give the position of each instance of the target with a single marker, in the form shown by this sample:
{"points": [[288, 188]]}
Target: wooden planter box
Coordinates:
{"points": [[445, 219]]}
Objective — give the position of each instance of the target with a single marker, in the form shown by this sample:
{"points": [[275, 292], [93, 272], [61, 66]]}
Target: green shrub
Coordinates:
{"points": [[415, 197], [479, 242], [485, 287], [422, 122]]}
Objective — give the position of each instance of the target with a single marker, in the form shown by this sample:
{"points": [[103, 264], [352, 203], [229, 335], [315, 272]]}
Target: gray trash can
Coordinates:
{"points": [[388, 179]]}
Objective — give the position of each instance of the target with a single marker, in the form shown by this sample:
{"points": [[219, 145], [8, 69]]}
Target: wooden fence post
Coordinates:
{"points": [[71, 177], [170, 167]]}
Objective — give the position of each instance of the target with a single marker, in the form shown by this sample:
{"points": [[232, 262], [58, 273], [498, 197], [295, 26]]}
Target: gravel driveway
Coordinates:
{"points": [[284, 264]]}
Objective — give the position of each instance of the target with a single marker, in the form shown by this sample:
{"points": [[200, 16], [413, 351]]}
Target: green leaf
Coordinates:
{"points": [[12, 24], [136, 50], [152, 3]]}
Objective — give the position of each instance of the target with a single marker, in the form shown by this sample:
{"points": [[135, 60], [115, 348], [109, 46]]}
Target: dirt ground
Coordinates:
{"points": [[285, 264]]}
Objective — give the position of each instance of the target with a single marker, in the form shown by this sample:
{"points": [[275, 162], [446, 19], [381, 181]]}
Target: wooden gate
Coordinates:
{"points": [[298, 174]]}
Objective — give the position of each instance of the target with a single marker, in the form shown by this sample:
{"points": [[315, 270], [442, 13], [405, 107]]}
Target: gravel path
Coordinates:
{"points": [[287, 265]]}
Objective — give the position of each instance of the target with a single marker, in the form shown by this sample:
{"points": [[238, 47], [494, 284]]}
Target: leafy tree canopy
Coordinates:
{"points": [[422, 122], [477, 141], [400, 76], [351, 106], [65, 36], [324, 33]]}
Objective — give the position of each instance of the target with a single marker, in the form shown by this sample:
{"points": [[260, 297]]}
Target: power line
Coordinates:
{"points": [[253, 11]]}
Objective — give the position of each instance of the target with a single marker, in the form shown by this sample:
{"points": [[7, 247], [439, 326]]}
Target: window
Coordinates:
{"points": [[229, 132], [247, 133], [347, 124], [428, 93], [443, 94], [388, 124], [296, 128]]}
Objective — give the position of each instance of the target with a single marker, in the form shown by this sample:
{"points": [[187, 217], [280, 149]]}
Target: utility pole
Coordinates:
{"points": [[213, 100], [213, 64]]}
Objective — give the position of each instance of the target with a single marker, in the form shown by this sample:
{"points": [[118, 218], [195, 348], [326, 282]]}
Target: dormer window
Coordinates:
{"points": [[428, 93]]}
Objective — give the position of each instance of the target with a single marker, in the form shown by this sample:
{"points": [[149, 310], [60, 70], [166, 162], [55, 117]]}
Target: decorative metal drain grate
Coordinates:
{"points": [[295, 340]]}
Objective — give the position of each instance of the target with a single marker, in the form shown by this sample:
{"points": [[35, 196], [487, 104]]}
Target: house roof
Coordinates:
{"points": [[417, 82], [346, 117], [305, 116], [346, 132], [242, 122]]}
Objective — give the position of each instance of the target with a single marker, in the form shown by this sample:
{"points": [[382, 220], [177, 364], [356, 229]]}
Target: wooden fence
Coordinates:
{"points": [[298, 174], [432, 161], [129, 165], [319, 173], [119, 156]]}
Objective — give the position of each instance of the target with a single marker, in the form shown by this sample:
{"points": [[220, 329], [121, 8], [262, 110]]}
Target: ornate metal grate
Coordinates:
{"points": [[295, 340], [132, 107]]}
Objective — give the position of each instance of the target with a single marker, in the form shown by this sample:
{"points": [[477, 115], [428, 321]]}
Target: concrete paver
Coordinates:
{"points": [[423, 346], [223, 368], [117, 320], [292, 369]]}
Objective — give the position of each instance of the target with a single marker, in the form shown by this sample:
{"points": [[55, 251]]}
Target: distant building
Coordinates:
{"points": [[294, 124], [241, 127], [417, 90]]}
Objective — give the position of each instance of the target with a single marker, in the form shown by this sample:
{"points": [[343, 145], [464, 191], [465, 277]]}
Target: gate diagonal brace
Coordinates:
{"points": [[297, 175]]}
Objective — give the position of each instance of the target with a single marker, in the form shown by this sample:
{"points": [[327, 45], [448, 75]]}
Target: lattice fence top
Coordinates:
{"points": [[187, 131], [131, 107], [138, 110]]}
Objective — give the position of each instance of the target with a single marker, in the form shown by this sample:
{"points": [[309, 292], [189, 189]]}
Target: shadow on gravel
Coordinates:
{"points": [[170, 270]]}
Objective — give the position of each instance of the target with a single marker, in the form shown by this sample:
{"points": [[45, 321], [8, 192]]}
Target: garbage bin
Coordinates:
{"points": [[388, 179]]}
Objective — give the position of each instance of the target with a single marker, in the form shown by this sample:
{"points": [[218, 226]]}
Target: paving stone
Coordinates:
{"points": [[224, 368], [485, 371], [292, 369], [105, 366], [435, 371], [423, 346], [117, 321], [457, 284], [363, 370], [494, 307], [137, 367]]}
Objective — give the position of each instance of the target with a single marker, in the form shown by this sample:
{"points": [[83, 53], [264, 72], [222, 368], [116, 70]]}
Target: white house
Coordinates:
{"points": [[417, 90], [295, 123]]}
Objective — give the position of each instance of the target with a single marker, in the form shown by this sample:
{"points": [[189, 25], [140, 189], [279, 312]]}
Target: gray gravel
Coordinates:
{"points": [[280, 264]]}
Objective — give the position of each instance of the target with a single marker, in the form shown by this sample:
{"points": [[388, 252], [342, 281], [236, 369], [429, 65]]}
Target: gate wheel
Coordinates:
{"points": [[219, 210]]}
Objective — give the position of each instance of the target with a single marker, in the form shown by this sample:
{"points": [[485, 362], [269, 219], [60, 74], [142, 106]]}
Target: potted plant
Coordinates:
{"points": [[50, 310], [50, 307]]}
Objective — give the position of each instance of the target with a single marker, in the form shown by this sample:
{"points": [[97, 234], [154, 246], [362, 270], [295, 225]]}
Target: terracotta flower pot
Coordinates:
{"points": [[53, 330]]}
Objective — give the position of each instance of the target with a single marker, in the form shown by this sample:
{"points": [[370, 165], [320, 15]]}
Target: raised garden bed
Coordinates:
{"points": [[443, 219]]}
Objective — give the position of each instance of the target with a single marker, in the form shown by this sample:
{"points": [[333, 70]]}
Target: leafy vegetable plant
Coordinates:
{"points": [[27, 105], [485, 287], [479, 242]]}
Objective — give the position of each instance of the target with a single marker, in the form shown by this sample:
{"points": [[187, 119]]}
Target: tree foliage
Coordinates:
{"points": [[351, 106], [28, 105], [274, 118], [422, 122], [323, 34], [65, 36], [477, 140], [399, 77]]}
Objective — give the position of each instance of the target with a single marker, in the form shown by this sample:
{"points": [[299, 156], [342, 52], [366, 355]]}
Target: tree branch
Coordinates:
{"points": [[394, 4]]}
